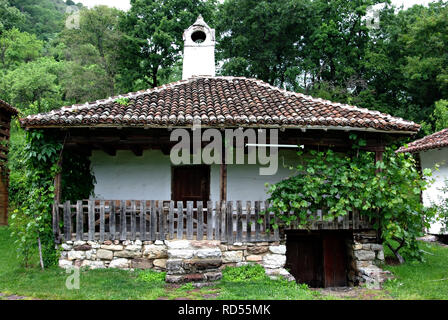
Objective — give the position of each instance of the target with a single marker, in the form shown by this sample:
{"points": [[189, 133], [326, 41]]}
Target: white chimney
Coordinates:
{"points": [[199, 50]]}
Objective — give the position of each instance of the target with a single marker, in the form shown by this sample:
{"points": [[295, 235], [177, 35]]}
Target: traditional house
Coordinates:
{"points": [[431, 151], [6, 113], [149, 211]]}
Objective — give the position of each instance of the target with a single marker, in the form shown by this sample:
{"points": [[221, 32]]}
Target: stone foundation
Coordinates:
{"points": [[189, 260], [183, 260], [366, 256]]}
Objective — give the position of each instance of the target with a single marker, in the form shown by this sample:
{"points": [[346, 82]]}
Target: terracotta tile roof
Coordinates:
{"points": [[434, 141], [8, 108], [219, 101]]}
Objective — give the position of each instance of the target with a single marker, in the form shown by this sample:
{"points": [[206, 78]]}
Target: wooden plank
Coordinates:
{"points": [[218, 220], [133, 220], [209, 220], [200, 225], [171, 220], [248, 221], [239, 221], [91, 215], [143, 220], [266, 218], [67, 221], [223, 222], [153, 221], [189, 220], [229, 212], [160, 214], [180, 220], [112, 220], [257, 217], [123, 233], [79, 221], [102, 221]]}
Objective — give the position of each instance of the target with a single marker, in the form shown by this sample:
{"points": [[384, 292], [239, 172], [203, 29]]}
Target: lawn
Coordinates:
{"points": [[427, 280], [121, 284]]}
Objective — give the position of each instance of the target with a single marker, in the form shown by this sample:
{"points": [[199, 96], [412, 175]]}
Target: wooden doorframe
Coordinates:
{"points": [[173, 167]]}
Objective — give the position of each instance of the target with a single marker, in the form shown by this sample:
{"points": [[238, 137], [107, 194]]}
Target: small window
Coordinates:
{"points": [[198, 36]]}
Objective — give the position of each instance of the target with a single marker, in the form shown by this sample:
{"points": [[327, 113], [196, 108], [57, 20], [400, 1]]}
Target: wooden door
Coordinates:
{"points": [[335, 261], [190, 183], [304, 259]]}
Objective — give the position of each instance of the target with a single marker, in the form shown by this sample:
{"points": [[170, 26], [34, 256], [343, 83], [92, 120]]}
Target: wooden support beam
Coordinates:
{"points": [[57, 201], [223, 177]]}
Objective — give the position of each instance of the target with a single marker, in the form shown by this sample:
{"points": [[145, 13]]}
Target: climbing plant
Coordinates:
{"points": [[31, 221], [388, 192]]}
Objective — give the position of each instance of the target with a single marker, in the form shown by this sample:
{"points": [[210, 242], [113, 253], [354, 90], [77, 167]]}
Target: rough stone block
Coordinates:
{"points": [[178, 244], [104, 254], [274, 261], [119, 263], [194, 265], [232, 256], [254, 258], [257, 250], [278, 249], [112, 247], [174, 266], [180, 254], [213, 276], [364, 255], [127, 254], [160, 263], [141, 263], [76, 255], [208, 253], [65, 263], [153, 251]]}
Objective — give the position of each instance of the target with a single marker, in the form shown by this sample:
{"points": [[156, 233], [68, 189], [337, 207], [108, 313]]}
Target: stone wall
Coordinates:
{"points": [[366, 256], [183, 260]]}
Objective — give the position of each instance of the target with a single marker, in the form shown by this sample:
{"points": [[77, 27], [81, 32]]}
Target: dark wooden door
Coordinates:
{"points": [[318, 259], [190, 183], [335, 261], [304, 259]]}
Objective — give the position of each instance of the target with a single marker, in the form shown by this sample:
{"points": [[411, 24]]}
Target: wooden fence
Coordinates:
{"points": [[231, 221]]}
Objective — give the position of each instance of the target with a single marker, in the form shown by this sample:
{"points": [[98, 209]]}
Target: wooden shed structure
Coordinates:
{"points": [[6, 113]]}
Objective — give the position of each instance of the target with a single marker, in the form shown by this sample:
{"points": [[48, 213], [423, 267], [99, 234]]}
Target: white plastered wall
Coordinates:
{"points": [[433, 195]]}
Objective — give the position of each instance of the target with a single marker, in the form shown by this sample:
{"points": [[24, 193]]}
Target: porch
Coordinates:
{"points": [[150, 220]]}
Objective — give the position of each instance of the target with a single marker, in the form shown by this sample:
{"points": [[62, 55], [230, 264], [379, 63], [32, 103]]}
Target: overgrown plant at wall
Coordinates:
{"points": [[388, 191], [31, 221]]}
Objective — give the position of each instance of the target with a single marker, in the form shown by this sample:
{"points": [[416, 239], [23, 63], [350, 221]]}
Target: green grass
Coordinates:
{"points": [[413, 281], [427, 280], [120, 284]]}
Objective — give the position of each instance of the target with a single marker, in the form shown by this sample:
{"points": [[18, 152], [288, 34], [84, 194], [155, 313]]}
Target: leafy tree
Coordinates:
{"points": [[34, 87], [9, 16], [18, 47], [440, 115], [45, 18], [94, 51], [153, 38]]}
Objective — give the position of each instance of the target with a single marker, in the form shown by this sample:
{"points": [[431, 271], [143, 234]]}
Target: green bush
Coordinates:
{"points": [[151, 276], [244, 273]]}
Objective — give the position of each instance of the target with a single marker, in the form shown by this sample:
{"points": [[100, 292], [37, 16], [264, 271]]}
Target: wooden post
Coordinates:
{"points": [[379, 158], [223, 175], [57, 201]]}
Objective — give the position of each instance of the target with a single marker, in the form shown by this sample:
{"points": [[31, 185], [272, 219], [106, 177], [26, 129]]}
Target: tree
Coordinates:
{"points": [[262, 39], [9, 16], [34, 87], [153, 38], [440, 115], [93, 52], [18, 47]]}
